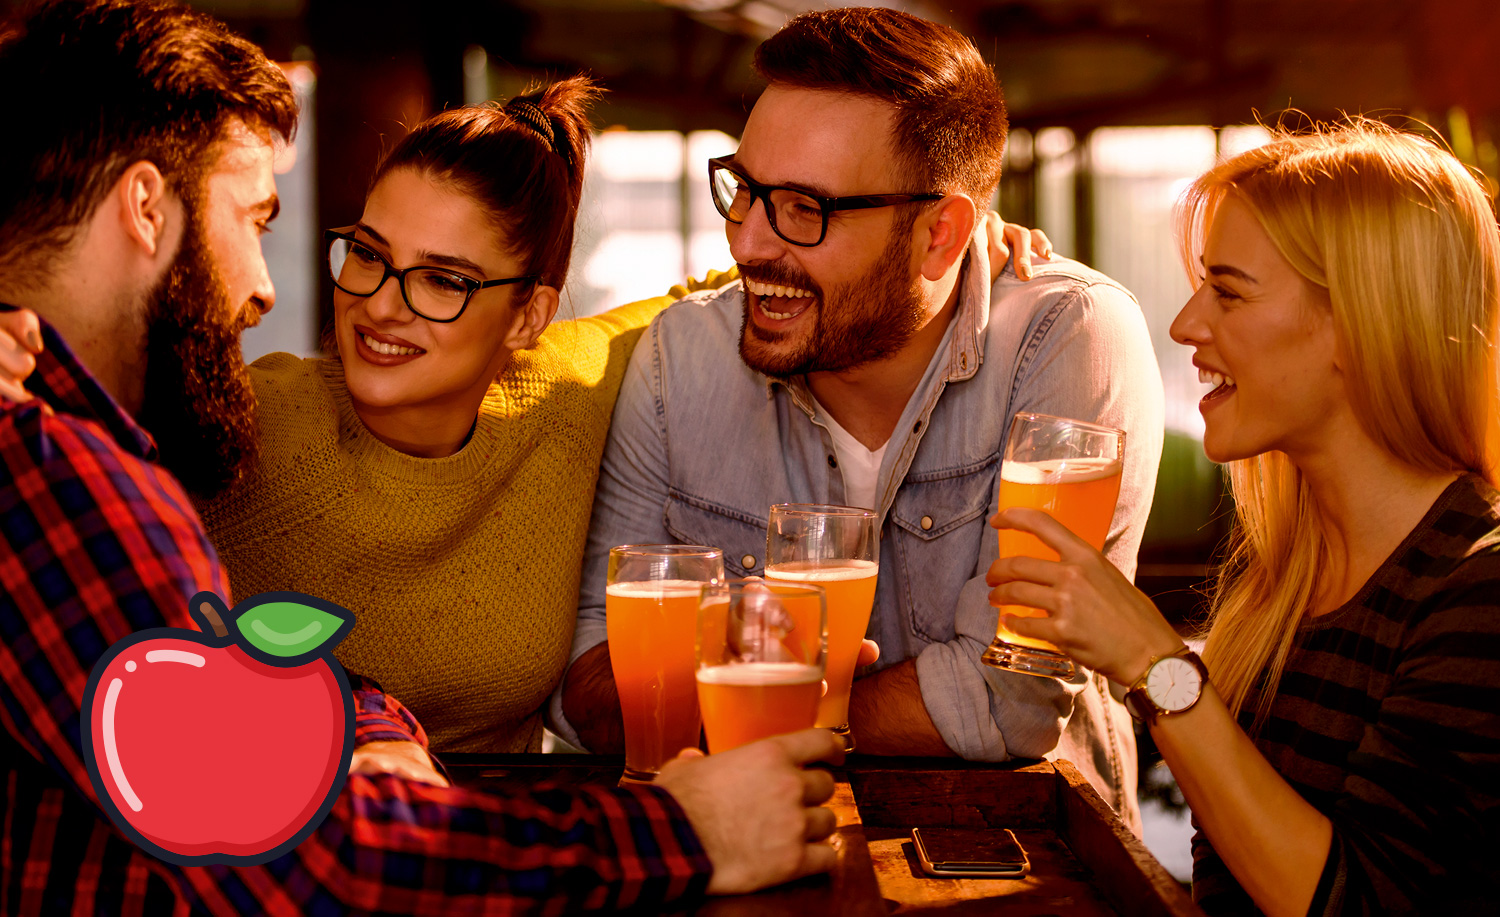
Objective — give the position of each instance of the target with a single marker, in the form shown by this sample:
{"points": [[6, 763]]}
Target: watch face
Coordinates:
{"points": [[1174, 683]]}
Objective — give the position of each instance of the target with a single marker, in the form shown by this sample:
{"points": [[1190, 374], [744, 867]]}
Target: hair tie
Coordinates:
{"points": [[531, 114]]}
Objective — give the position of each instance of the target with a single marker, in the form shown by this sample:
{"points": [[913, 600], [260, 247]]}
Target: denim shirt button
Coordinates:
{"points": [[748, 561], [926, 523], [833, 462]]}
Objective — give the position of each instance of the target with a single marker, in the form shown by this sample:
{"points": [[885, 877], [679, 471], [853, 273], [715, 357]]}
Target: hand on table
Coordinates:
{"points": [[1094, 614], [403, 759], [20, 341], [758, 810], [1005, 238]]}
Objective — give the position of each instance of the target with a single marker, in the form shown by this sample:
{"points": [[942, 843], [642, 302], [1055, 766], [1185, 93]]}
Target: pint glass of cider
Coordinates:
{"points": [[650, 615], [838, 548], [761, 650], [1070, 470]]}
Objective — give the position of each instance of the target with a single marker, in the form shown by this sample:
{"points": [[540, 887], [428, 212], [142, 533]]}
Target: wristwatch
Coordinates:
{"points": [[1171, 684]]}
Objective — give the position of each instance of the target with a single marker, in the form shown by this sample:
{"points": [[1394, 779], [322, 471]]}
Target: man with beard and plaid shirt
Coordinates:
{"points": [[868, 359], [138, 182]]}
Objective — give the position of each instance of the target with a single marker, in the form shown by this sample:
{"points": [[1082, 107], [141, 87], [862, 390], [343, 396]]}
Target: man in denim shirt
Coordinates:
{"points": [[866, 358]]}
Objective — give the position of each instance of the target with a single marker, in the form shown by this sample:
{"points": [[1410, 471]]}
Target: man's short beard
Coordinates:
{"points": [[862, 321], [199, 405]]}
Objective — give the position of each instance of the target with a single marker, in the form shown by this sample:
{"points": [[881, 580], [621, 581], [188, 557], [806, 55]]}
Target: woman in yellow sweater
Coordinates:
{"points": [[436, 476]]}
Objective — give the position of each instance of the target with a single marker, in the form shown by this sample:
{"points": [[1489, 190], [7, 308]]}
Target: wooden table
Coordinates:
{"points": [[1083, 860]]}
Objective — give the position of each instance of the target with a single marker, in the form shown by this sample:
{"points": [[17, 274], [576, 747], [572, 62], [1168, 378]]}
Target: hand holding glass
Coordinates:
{"points": [[650, 614], [761, 648], [838, 548], [1070, 470]]}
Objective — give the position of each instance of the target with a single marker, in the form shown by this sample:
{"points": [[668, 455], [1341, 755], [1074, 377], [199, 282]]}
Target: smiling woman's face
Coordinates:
{"points": [[1263, 336], [394, 358]]}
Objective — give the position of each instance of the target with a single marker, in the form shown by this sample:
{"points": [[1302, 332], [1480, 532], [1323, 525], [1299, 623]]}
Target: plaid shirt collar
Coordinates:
{"points": [[65, 386]]}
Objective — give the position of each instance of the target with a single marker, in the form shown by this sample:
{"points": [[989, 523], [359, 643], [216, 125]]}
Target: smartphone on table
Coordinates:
{"points": [[970, 853]]}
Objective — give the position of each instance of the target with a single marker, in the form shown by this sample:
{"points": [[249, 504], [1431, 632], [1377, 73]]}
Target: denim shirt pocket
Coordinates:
{"points": [[741, 536], [938, 520]]}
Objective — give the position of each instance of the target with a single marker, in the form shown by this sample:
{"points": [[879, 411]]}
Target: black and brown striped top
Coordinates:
{"points": [[1387, 719]]}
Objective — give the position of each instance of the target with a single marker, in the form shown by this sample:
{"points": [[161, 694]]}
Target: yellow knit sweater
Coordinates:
{"points": [[462, 571]]}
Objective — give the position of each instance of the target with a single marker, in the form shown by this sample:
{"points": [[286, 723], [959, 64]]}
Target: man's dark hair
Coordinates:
{"points": [[96, 85], [950, 116]]}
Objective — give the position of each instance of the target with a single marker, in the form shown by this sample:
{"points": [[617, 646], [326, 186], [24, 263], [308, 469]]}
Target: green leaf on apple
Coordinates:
{"points": [[286, 629]]}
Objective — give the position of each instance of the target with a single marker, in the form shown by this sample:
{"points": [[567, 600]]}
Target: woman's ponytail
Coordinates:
{"points": [[522, 162]]}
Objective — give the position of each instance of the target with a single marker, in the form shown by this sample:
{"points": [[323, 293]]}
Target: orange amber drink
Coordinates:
{"points": [[761, 652], [1081, 495], [1070, 470], [743, 703], [850, 585], [837, 548], [650, 610]]}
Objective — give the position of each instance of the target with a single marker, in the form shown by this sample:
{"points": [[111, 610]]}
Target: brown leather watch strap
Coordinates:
{"points": [[1138, 701]]}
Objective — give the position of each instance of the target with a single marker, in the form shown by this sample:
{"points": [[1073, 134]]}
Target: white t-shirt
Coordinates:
{"points": [[861, 467]]}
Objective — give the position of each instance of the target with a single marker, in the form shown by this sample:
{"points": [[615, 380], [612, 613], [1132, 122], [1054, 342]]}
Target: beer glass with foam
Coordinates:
{"points": [[1070, 470], [838, 548], [650, 614], [761, 650]]}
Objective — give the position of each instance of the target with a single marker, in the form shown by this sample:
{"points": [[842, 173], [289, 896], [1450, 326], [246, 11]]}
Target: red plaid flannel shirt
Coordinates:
{"points": [[97, 542]]}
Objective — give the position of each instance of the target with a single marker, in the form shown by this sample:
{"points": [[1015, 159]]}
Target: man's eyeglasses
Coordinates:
{"points": [[797, 216], [434, 293]]}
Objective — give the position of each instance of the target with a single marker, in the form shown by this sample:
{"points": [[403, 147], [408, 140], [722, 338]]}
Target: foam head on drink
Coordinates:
{"points": [[850, 589], [746, 701], [1080, 493], [651, 627]]}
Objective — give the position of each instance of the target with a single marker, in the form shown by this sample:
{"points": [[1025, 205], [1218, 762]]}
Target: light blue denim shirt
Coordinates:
{"points": [[701, 445]]}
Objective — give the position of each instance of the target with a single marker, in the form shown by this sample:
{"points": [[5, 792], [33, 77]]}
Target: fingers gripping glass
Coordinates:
{"points": [[434, 293], [797, 216]]}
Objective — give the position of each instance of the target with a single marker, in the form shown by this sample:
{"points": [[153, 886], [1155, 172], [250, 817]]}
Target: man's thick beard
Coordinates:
{"points": [[199, 405], [865, 320]]}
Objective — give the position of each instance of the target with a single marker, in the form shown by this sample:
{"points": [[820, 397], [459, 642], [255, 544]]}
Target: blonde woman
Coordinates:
{"points": [[1341, 750]]}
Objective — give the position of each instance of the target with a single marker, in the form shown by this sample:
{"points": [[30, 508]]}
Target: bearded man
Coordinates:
{"points": [[867, 360]]}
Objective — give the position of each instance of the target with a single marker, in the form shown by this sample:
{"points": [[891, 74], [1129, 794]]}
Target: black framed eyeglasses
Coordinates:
{"points": [[436, 294], [797, 216]]}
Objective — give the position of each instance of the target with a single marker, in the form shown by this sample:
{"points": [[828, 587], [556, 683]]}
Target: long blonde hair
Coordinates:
{"points": [[1403, 239]]}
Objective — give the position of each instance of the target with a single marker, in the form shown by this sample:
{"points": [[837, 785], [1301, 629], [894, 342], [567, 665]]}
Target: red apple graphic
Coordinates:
{"points": [[227, 746]]}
